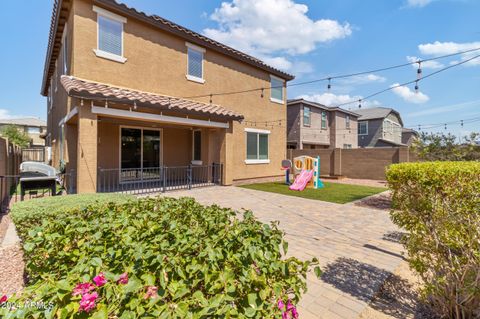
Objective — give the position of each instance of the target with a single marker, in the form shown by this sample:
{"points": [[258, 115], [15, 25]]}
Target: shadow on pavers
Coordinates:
{"points": [[360, 280], [384, 291]]}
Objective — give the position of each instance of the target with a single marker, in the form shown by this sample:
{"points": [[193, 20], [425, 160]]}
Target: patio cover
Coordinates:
{"points": [[81, 88]]}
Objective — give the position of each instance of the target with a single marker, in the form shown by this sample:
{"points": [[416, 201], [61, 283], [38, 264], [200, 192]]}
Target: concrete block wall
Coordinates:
{"points": [[360, 163]]}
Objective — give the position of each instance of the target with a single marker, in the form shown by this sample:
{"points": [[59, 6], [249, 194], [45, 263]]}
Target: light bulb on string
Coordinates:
{"points": [[329, 86], [461, 123], [360, 103], [261, 95], [416, 86]]}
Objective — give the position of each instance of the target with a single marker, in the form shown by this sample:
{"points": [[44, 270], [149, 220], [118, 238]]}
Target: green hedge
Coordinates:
{"points": [[438, 203], [158, 258], [32, 212]]}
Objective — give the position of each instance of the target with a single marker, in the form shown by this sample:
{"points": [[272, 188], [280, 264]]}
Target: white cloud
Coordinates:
{"points": [[363, 79], [408, 95], [444, 109], [438, 48], [426, 64], [331, 99], [271, 29], [418, 3]]}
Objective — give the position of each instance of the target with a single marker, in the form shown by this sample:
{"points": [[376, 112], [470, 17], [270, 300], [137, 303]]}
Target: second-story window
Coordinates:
{"points": [[363, 128], [65, 50], [324, 120], [347, 121], [276, 89], [306, 116], [195, 63], [110, 35]]}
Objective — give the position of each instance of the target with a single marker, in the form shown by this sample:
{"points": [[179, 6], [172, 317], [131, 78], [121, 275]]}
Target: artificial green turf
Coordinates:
{"points": [[332, 192]]}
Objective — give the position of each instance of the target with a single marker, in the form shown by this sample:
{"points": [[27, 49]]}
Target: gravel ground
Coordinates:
{"points": [[11, 270], [380, 201], [398, 298], [4, 221]]}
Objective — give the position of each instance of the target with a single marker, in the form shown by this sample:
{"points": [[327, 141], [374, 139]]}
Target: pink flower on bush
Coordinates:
{"points": [[290, 309], [88, 302], [152, 292], [100, 279], [3, 299], [123, 279], [83, 288]]}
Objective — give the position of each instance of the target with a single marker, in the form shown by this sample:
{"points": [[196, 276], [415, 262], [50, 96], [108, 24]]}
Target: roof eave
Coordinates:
{"points": [[132, 12]]}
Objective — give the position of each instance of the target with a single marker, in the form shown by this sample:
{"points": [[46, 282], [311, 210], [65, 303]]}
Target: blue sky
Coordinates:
{"points": [[308, 38]]}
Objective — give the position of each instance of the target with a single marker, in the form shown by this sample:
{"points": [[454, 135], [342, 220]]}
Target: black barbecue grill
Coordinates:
{"points": [[35, 176]]}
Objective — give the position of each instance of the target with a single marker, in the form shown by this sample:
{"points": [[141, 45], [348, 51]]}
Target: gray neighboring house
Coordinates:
{"points": [[379, 127], [409, 136], [311, 125], [34, 127]]}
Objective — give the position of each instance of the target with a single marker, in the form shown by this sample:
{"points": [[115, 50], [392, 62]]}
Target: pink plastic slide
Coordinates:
{"points": [[301, 181]]}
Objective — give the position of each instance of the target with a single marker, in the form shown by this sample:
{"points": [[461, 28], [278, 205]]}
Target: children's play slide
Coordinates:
{"points": [[302, 180]]}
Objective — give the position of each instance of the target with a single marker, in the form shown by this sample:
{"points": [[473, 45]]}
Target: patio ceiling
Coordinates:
{"points": [[81, 88]]}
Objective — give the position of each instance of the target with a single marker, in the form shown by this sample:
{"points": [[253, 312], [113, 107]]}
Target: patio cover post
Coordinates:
{"points": [[87, 151]]}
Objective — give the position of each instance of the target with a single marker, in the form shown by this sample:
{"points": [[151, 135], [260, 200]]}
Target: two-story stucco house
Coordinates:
{"points": [[379, 127], [32, 126], [311, 125], [130, 94]]}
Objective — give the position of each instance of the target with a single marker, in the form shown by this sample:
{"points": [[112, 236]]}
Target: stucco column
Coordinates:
{"points": [[87, 150], [226, 156]]}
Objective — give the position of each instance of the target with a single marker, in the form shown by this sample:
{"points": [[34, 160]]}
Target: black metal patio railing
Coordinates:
{"points": [[139, 181]]}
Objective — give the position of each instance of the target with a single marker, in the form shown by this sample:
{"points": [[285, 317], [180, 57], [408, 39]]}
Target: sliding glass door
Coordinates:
{"points": [[140, 154]]}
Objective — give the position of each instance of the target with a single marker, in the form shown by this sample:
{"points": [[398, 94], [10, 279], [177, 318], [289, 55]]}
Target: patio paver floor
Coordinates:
{"points": [[352, 243]]}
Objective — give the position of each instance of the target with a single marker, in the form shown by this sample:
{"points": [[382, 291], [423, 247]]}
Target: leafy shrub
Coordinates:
{"points": [[32, 212], [158, 258], [438, 203]]}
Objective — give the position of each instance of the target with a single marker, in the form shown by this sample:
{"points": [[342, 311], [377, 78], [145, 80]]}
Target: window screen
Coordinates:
{"points": [[276, 89], [195, 63], [110, 35]]}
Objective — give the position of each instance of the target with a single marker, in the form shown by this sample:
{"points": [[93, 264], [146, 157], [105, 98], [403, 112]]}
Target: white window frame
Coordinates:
{"points": [[282, 101], [117, 18], [257, 161], [391, 129], [50, 102], [64, 50], [309, 116], [201, 50], [196, 162], [34, 127], [322, 114], [56, 76], [366, 127], [347, 146]]}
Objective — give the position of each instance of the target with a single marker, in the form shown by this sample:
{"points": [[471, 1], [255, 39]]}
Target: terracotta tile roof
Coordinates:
{"points": [[62, 7], [94, 90]]}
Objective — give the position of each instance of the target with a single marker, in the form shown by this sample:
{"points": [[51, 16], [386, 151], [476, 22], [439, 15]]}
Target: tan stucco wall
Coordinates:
{"points": [[344, 135], [157, 62], [314, 133]]}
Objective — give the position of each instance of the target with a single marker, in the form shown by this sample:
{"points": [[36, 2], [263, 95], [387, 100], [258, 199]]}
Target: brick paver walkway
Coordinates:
{"points": [[356, 246]]}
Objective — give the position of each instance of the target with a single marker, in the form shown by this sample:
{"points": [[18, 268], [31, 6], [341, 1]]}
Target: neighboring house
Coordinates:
{"points": [[379, 127], [409, 136], [33, 127], [131, 93], [312, 125]]}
